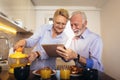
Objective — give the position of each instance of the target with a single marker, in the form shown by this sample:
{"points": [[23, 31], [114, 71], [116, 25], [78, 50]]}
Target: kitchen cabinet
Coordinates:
{"points": [[19, 9], [12, 24]]}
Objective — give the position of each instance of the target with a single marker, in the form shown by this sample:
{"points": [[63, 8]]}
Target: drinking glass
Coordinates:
{"points": [[65, 73], [58, 74], [45, 73]]}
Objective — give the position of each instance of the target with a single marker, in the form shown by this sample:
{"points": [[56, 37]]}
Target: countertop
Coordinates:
{"points": [[5, 75]]}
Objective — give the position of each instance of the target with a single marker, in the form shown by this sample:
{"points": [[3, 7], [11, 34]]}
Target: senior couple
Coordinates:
{"points": [[85, 48]]}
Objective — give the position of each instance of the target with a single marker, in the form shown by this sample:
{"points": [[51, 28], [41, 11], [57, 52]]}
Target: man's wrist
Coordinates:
{"points": [[77, 58]]}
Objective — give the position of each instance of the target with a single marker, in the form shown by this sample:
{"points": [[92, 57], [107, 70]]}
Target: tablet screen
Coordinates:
{"points": [[51, 49]]}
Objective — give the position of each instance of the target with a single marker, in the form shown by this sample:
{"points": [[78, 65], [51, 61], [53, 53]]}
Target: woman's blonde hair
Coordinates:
{"points": [[62, 12]]}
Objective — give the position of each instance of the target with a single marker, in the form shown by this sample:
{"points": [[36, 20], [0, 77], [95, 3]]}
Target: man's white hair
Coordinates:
{"points": [[84, 17]]}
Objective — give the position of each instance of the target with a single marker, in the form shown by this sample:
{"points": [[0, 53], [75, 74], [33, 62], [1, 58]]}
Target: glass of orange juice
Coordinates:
{"points": [[45, 73], [65, 73]]}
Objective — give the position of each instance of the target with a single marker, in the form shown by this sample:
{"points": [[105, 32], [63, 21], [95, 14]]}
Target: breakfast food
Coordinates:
{"points": [[45, 68], [75, 70]]}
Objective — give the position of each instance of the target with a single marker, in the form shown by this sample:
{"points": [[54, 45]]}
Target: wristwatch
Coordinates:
{"points": [[78, 58]]}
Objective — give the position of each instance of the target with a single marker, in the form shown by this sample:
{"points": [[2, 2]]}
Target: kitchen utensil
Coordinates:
{"points": [[17, 59]]}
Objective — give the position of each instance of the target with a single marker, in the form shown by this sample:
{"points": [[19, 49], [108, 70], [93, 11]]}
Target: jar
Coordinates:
{"points": [[4, 48]]}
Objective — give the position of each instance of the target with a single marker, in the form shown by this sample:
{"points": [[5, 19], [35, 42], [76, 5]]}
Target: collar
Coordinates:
{"points": [[84, 34]]}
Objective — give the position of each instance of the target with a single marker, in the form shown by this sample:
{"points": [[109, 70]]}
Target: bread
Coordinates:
{"points": [[75, 70]]}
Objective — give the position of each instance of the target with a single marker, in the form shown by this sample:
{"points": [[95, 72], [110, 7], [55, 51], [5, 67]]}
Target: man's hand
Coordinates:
{"points": [[67, 54]]}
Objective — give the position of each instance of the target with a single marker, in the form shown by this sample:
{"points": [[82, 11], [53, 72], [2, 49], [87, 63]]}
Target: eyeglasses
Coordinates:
{"points": [[60, 24]]}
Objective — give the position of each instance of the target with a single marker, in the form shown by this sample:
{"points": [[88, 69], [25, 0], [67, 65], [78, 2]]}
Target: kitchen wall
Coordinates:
{"points": [[43, 13], [110, 27]]}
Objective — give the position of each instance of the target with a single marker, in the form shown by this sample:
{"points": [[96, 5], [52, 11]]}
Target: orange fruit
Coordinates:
{"points": [[20, 49]]}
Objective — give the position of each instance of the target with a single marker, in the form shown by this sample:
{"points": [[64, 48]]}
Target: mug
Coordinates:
{"points": [[22, 73], [90, 74]]}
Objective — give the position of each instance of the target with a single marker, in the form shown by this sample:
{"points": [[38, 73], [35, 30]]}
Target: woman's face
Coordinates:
{"points": [[59, 24]]}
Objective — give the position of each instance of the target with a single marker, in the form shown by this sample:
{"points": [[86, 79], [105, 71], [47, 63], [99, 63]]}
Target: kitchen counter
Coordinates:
{"points": [[5, 75]]}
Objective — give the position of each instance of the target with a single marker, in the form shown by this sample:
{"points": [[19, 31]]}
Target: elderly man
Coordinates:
{"points": [[86, 46]]}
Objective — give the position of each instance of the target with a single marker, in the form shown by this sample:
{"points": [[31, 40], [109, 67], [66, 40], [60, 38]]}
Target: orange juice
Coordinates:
{"points": [[45, 73], [65, 74]]}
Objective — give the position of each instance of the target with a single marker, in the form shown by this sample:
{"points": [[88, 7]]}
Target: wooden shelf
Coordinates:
{"points": [[13, 24]]}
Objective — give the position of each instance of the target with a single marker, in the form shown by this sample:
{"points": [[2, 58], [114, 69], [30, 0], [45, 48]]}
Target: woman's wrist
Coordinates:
{"points": [[38, 54]]}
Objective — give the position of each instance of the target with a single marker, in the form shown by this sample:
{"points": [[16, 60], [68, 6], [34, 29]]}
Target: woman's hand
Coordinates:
{"points": [[32, 56], [20, 44]]}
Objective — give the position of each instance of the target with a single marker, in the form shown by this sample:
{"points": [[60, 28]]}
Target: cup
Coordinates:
{"points": [[90, 74], [65, 74], [22, 73], [58, 74], [45, 73]]}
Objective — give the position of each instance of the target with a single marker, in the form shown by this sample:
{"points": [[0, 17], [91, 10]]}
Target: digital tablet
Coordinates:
{"points": [[50, 49]]}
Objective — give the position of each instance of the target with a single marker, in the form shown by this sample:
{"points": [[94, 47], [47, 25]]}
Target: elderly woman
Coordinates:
{"points": [[47, 34]]}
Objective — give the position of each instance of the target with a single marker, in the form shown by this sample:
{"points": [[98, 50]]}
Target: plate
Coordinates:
{"points": [[76, 71], [75, 75], [36, 72]]}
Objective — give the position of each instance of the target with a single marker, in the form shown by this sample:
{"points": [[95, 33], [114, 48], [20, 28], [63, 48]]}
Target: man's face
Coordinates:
{"points": [[77, 24], [59, 24]]}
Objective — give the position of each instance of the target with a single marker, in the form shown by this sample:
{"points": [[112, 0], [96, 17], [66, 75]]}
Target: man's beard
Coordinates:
{"points": [[80, 31]]}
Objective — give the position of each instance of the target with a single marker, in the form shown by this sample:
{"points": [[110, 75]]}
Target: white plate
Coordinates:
{"points": [[75, 75], [35, 73]]}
